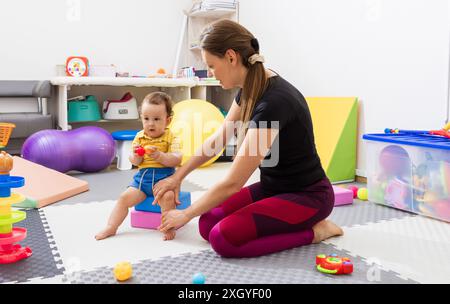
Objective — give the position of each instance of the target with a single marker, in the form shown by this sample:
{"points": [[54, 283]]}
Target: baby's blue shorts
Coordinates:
{"points": [[145, 178]]}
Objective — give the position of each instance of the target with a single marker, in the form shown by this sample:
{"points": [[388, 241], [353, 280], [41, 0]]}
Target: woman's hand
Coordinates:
{"points": [[168, 184], [173, 219]]}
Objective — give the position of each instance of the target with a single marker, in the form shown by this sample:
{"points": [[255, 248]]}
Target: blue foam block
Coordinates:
{"points": [[146, 205]]}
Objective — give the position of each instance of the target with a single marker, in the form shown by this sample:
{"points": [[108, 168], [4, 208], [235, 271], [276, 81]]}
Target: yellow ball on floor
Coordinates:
{"points": [[123, 271], [363, 194]]}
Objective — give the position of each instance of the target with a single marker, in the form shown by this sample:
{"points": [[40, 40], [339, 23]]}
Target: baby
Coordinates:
{"points": [[160, 154]]}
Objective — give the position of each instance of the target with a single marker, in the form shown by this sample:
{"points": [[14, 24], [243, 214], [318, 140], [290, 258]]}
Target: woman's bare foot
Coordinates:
{"points": [[107, 232], [324, 230], [169, 235]]}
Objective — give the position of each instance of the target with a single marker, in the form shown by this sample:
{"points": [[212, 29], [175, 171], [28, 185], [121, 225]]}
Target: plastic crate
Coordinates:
{"points": [[410, 172]]}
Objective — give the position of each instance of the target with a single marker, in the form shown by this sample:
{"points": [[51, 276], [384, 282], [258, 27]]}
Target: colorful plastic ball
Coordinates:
{"points": [[363, 194], [198, 278], [355, 190], [395, 161], [123, 271]]}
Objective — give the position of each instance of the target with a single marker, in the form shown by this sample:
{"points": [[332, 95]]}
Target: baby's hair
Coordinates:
{"points": [[158, 98]]}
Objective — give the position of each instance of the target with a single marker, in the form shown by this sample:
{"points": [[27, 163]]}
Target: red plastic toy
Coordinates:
{"points": [[333, 264], [141, 150]]}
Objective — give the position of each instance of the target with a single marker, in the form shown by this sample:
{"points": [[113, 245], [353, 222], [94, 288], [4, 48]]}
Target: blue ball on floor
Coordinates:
{"points": [[198, 278]]}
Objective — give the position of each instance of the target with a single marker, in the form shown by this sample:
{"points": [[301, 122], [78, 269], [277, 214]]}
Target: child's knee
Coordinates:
{"points": [[129, 199], [168, 199]]}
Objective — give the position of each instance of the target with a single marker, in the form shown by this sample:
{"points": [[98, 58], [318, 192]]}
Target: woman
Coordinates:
{"points": [[289, 205]]}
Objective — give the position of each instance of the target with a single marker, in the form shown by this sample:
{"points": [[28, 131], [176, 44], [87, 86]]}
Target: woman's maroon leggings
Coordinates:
{"points": [[250, 223]]}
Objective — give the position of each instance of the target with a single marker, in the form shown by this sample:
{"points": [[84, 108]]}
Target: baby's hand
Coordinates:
{"points": [[138, 150], [152, 151]]}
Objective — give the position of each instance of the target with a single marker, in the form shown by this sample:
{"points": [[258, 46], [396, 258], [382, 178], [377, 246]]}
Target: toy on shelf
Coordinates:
{"points": [[161, 73], [82, 108], [124, 108], [186, 72], [9, 235], [141, 151], [333, 264], [77, 66]]}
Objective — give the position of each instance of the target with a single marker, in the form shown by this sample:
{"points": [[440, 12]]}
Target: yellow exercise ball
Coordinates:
{"points": [[195, 120]]}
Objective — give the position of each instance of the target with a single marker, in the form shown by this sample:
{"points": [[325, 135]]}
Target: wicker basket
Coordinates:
{"points": [[5, 133]]}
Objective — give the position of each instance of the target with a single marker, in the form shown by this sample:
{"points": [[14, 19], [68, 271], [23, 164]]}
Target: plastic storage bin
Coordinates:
{"points": [[84, 110], [410, 172]]}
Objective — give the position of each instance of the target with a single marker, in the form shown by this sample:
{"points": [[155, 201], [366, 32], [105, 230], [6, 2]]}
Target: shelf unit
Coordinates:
{"points": [[113, 88], [188, 52]]}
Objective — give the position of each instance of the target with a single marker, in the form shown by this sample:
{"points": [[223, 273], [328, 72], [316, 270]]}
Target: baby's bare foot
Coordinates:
{"points": [[169, 235], [324, 230], [107, 232]]}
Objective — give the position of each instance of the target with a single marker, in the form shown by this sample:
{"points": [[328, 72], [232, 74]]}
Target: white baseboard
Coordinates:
{"points": [[361, 173]]}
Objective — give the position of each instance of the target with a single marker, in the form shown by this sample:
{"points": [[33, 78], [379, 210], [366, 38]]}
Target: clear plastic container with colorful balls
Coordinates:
{"points": [[410, 172]]}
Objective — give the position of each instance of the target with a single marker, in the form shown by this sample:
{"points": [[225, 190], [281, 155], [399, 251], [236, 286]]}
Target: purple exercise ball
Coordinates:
{"points": [[86, 149]]}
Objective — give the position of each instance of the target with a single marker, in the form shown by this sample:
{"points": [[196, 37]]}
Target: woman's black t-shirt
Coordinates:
{"points": [[298, 162]]}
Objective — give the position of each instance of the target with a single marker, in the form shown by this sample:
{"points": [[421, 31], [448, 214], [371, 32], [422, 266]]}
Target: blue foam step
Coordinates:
{"points": [[146, 205]]}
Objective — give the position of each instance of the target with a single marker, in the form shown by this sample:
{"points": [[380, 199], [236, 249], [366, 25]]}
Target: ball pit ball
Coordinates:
{"points": [[123, 271], [355, 191], [363, 194], [198, 278]]}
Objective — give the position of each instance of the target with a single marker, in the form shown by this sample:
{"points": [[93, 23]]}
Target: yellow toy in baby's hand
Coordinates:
{"points": [[150, 149], [123, 271]]}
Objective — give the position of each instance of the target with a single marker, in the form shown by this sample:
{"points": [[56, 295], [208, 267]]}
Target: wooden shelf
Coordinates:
{"points": [[195, 48], [104, 121], [213, 14], [125, 81]]}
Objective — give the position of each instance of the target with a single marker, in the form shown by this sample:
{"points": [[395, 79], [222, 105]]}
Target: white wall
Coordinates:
{"points": [[392, 54], [137, 36]]}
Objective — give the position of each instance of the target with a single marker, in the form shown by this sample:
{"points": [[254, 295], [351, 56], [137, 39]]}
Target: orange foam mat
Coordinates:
{"points": [[44, 186]]}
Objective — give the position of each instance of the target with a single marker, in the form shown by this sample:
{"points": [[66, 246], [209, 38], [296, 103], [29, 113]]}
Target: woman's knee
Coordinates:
{"points": [[220, 244]]}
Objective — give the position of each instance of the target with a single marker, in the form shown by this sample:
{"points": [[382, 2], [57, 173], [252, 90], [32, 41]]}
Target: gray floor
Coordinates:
{"points": [[44, 262]]}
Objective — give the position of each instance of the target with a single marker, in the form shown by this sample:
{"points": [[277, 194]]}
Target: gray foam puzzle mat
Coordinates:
{"points": [[364, 212], [44, 262], [109, 184], [295, 266]]}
